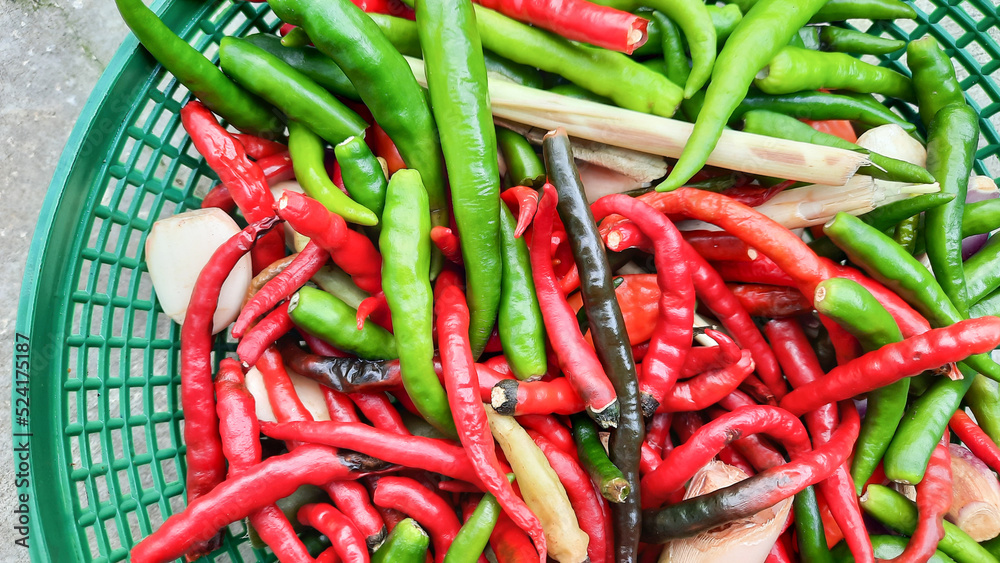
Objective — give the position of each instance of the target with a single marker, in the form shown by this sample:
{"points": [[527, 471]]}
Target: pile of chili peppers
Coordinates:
{"points": [[509, 368]]}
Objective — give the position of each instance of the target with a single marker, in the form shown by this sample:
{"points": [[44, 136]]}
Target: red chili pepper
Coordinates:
{"points": [[423, 505], [206, 466], [933, 502], [719, 245], [551, 429], [430, 454], [658, 432], [376, 307], [576, 359], [383, 146], [757, 450], [524, 200], [730, 456], [753, 196], [509, 543], [240, 433], [839, 127], [771, 301], [340, 405], [391, 7], [671, 338], [686, 424], [706, 389], [779, 553], [329, 555], [703, 358], [447, 242], [801, 366], [518, 398], [761, 270], [978, 442], [290, 280], [350, 250], [272, 327], [580, 490], [258, 148], [462, 386], [685, 460], [219, 197], [236, 498], [845, 346], [579, 20], [379, 410], [242, 177], [638, 298], [649, 460], [892, 362], [339, 529], [277, 167]]}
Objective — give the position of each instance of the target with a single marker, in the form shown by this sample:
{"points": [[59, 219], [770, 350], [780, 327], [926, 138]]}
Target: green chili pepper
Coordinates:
{"points": [[992, 546], [606, 73], [608, 330], [951, 150], [524, 168], [574, 91], [339, 284], [885, 261], [899, 513], [842, 10], [984, 400], [362, 173], [933, 77], [922, 427], [306, 150], [724, 20], [220, 94], [981, 272], [989, 305], [692, 17], [675, 60], [981, 217], [858, 312], [519, 322], [340, 30], [289, 90], [863, 108], [885, 547], [843, 40], [296, 37], [407, 543], [525, 75], [594, 459], [474, 535], [310, 62], [809, 528], [323, 315], [406, 250], [756, 40], [795, 69], [401, 32], [456, 80], [906, 234], [763, 122]]}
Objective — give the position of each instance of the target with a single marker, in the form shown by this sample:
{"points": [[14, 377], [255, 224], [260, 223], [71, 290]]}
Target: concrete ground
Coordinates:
{"points": [[51, 55]]}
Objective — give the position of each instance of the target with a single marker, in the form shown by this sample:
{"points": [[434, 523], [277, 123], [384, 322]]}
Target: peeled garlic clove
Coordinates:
{"points": [[177, 249], [309, 393], [892, 141], [745, 541], [975, 505]]}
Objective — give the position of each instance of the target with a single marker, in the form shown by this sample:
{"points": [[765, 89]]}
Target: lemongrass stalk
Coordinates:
{"points": [[747, 541], [736, 150]]}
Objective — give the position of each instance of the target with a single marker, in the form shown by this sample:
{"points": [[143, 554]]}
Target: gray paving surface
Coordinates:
{"points": [[51, 55]]}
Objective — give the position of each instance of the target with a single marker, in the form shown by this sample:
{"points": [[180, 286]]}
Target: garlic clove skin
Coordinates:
{"points": [[975, 506]]}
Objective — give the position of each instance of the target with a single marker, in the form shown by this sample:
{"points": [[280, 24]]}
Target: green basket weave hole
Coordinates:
{"points": [[106, 454]]}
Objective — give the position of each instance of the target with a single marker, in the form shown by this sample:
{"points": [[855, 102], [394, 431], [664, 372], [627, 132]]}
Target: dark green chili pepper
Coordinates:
{"points": [[772, 124], [951, 150], [989, 305], [406, 249], [474, 535], [900, 514], [818, 106], [886, 547], [843, 40], [310, 62], [885, 261], [362, 173], [724, 20], [383, 78], [289, 90], [992, 546], [456, 81], [675, 60], [756, 40], [794, 69], [858, 312], [842, 10], [581, 315], [220, 94], [519, 321], [933, 77], [323, 315], [525, 75], [401, 32], [981, 272], [407, 543], [524, 167], [981, 217], [922, 427], [608, 478], [606, 73], [906, 233], [608, 329], [692, 17], [306, 150], [809, 528], [883, 218]]}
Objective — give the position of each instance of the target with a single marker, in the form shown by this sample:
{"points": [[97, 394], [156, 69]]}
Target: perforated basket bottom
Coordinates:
{"points": [[107, 460]]}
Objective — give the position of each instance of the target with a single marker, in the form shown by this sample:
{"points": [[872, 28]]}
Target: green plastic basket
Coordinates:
{"points": [[104, 464]]}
